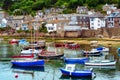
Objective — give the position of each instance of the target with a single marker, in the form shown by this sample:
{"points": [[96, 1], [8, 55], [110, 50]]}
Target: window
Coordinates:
{"points": [[92, 23], [92, 19], [50, 28], [98, 24]]}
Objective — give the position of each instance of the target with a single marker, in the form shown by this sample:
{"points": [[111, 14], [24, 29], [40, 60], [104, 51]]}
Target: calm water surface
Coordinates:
{"points": [[51, 69]]}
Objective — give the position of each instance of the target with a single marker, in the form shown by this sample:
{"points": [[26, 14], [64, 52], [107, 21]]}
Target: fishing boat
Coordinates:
{"points": [[13, 41], [30, 53], [41, 44], [59, 44], [102, 49], [44, 54], [76, 60], [118, 52], [28, 62], [23, 56], [23, 42], [100, 63], [92, 53], [72, 45], [71, 71]]}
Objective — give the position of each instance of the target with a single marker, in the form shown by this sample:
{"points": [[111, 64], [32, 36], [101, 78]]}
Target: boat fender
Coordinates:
{"points": [[16, 75], [93, 75]]}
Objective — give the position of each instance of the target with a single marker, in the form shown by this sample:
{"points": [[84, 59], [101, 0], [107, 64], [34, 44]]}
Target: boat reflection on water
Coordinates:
{"points": [[35, 68], [27, 71], [63, 77]]}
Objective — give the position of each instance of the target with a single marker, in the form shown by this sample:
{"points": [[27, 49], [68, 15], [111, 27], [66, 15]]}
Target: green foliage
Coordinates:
{"points": [[99, 8], [2, 29], [92, 3], [59, 2], [119, 3], [23, 31], [66, 11], [25, 7], [43, 28], [38, 5], [75, 3], [19, 31]]}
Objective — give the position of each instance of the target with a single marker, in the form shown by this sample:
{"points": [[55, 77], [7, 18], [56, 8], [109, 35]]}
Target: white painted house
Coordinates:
{"points": [[109, 8], [97, 21], [3, 23], [51, 27]]}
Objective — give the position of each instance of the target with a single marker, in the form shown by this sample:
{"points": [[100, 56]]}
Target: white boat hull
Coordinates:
{"points": [[111, 63]]}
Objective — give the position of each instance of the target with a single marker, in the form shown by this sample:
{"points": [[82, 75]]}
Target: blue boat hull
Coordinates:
{"points": [[28, 63], [34, 68], [76, 60], [80, 73]]}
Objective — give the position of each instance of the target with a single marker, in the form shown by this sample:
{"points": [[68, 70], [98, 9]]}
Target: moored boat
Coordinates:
{"points": [[76, 60], [30, 53], [118, 52], [23, 56], [72, 45], [23, 42], [36, 45], [71, 71], [28, 62], [100, 63], [92, 53], [102, 49], [50, 55], [13, 41], [32, 68], [59, 45]]}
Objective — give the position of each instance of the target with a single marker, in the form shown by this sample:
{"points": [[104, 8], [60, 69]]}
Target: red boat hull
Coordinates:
{"points": [[13, 41], [23, 56]]}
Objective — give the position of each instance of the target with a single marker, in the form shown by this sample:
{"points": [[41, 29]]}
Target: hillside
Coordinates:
{"points": [[20, 7]]}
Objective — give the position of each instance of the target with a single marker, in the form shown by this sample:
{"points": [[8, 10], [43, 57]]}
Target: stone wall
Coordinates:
{"points": [[88, 33], [72, 34], [102, 33]]}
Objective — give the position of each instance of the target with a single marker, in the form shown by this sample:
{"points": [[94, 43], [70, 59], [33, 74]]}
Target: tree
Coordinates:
{"points": [[17, 12], [59, 3], [43, 28], [7, 4], [47, 3], [92, 3], [118, 3], [102, 1], [75, 3], [26, 9], [38, 5]]}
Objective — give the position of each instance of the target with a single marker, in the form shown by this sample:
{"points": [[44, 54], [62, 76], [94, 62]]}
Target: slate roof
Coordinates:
{"points": [[96, 15], [114, 14]]}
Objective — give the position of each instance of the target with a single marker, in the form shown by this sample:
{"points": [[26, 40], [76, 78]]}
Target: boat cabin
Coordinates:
{"points": [[70, 67]]}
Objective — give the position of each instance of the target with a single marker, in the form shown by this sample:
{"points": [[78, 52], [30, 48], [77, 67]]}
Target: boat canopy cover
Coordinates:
{"points": [[118, 50]]}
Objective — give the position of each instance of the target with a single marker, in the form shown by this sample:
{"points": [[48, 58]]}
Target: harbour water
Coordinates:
{"points": [[51, 69]]}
